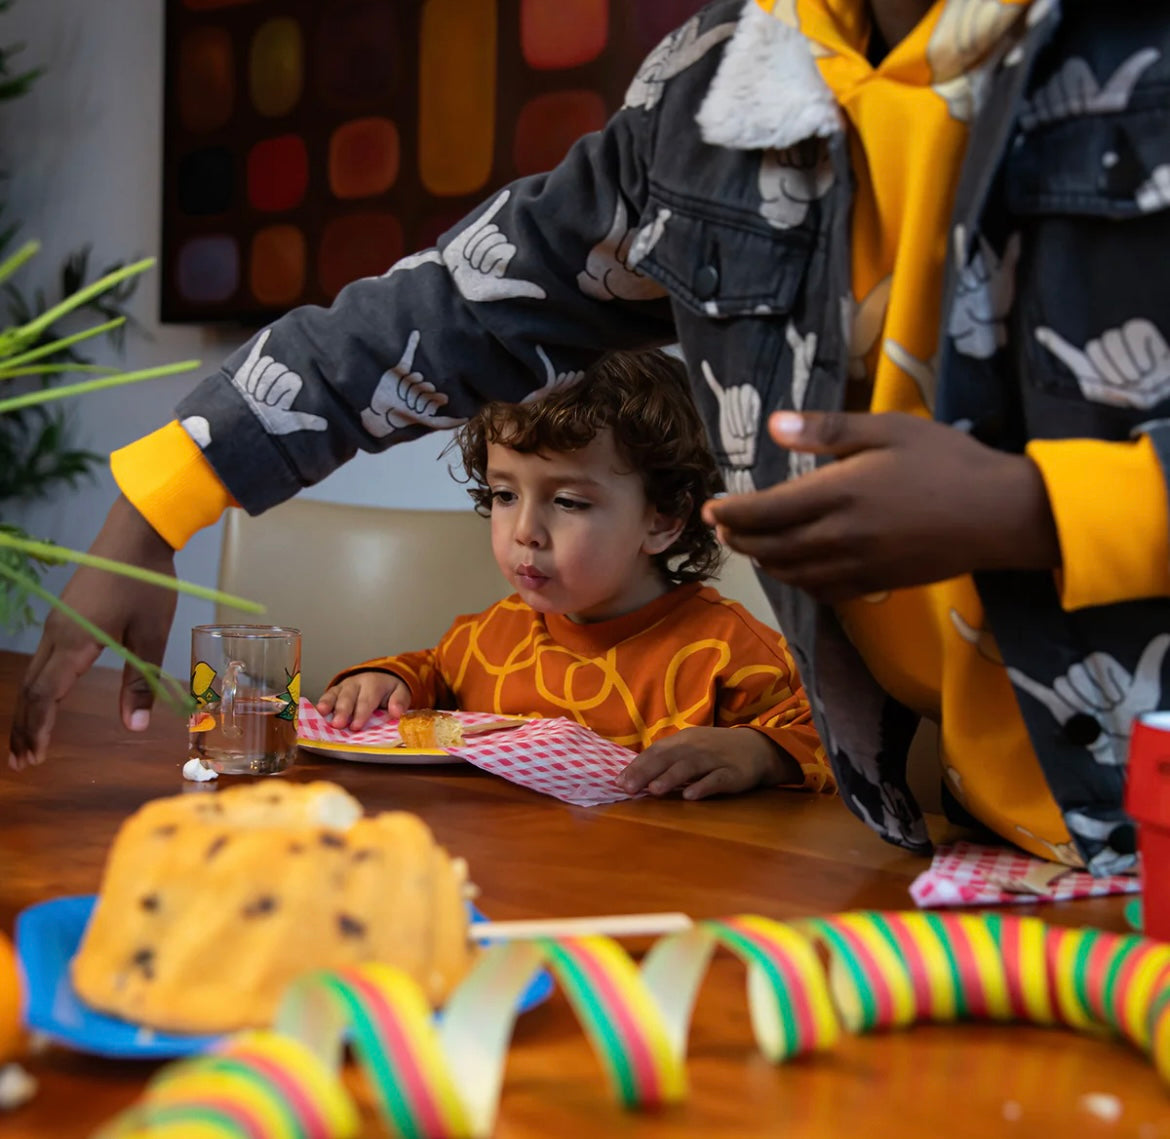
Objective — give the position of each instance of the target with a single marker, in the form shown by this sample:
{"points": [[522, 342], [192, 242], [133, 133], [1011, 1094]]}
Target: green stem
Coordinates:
{"points": [[25, 253], [7, 372], [35, 327], [47, 552], [164, 686], [64, 342], [50, 394]]}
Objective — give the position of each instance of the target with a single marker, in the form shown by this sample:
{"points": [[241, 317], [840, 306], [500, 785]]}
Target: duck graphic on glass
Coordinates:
{"points": [[246, 681]]}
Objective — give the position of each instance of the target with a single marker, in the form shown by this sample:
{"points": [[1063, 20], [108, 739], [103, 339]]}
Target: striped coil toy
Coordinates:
{"points": [[443, 1080]]}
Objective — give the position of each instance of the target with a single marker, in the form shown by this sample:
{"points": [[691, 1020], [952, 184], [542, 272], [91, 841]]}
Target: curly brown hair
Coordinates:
{"points": [[644, 398]]}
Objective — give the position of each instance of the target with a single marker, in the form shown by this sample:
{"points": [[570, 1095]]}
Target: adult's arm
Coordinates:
{"points": [[522, 295]]}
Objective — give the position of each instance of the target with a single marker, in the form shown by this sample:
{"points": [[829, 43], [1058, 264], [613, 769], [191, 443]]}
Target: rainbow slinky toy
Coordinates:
{"points": [[442, 1081]]}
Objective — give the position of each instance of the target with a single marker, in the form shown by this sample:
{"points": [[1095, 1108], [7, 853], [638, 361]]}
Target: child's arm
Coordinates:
{"points": [[355, 698], [762, 734], [410, 680], [711, 761], [763, 692], [427, 678]]}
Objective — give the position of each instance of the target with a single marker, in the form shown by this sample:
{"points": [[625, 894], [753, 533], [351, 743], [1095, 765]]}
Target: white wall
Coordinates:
{"points": [[85, 152]]}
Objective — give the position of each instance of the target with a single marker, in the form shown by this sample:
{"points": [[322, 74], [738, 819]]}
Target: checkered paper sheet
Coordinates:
{"points": [[556, 757], [971, 874]]}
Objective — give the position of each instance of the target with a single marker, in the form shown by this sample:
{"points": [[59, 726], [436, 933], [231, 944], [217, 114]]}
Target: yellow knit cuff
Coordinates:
{"points": [[170, 483], [1109, 502]]}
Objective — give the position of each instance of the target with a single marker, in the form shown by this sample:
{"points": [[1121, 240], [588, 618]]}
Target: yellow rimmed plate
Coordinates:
{"points": [[377, 753]]}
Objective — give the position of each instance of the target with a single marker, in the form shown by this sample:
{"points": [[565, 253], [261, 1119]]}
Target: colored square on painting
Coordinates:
{"points": [[206, 181], [359, 50], [208, 269], [277, 265], [569, 33], [358, 245], [276, 67], [278, 173], [363, 158], [308, 144], [206, 81], [549, 124]]}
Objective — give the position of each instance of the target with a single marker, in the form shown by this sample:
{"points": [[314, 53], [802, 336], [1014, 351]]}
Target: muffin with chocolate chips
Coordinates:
{"points": [[205, 916]]}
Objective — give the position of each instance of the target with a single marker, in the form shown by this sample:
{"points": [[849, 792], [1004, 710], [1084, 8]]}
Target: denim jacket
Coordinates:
{"points": [[714, 209]]}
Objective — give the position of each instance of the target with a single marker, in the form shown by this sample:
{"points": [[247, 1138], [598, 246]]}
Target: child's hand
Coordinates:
{"points": [[357, 697], [709, 761]]}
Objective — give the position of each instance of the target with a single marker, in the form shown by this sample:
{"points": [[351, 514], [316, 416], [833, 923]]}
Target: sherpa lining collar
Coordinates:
{"points": [[767, 92]]}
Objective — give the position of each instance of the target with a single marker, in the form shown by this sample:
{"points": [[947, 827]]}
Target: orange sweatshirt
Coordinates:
{"points": [[690, 658]]}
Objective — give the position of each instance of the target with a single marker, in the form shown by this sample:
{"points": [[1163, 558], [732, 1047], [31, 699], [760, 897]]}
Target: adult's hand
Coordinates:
{"points": [[135, 614], [908, 502]]}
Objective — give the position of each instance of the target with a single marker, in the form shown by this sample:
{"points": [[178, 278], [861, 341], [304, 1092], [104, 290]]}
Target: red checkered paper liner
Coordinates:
{"points": [[556, 757], [971, 874]]}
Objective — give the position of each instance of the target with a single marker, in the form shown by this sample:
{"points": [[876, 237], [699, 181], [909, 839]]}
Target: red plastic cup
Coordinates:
{"points": [[1147, 798]]}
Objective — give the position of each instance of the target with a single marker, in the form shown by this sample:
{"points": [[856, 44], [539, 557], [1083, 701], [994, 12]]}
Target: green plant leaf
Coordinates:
{"points": [[53, 554], [13, 403], [15, 611]]}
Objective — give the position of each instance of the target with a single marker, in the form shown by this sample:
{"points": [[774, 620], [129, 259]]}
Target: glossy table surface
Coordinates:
{"points": [[775, 853]]}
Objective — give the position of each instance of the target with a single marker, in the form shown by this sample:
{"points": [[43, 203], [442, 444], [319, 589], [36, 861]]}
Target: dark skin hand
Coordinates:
{"points": [[135, 614], [909, 501]]}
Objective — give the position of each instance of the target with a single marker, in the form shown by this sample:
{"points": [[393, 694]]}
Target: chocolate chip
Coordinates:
{"points": [[274, 798], [296, 848], [166, 831], [364, 853], [265, 904], [328, 838], [217, 844], [143, 961], [350, 927], [149, 902]]}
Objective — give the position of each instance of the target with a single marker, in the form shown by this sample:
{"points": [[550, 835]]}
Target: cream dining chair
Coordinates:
{"points": [[361, 581]]}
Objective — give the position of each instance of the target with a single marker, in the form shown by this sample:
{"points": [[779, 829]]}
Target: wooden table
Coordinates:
{"points": [[774, 853]]}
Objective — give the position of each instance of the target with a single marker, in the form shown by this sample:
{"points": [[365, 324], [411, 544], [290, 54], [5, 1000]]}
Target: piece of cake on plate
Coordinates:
{"points": [[430, 728]]}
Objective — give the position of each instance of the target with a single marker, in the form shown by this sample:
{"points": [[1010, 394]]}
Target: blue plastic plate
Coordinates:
{"points": [[48, 935]]}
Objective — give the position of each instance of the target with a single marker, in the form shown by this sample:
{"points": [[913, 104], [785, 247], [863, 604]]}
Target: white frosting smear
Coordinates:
{"points": [[197, 771]]}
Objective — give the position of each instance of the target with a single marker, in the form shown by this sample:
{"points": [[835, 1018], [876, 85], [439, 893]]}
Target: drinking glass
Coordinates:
{"points": [[246, 680]]}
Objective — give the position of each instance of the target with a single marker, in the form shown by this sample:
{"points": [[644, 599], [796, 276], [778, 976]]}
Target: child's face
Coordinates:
{"points": [[573, 531]]}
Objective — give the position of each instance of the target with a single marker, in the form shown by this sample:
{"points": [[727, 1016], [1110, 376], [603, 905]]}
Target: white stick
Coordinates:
{"points": [[611, 925]]}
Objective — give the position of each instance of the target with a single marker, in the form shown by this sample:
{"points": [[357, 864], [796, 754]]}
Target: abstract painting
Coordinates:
{"points": [[311, 142]]}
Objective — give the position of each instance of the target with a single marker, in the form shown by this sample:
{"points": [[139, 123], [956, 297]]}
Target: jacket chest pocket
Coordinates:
{"points": [[1091, 195], [721, 262]]}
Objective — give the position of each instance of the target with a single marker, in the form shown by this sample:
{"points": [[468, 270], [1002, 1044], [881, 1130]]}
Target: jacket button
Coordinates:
{"points": [[1122, 169], [706, 282], [1123, 838], [1081, 730]]}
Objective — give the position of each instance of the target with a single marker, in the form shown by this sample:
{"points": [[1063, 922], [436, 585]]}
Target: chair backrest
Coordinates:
{"points": [[737, 579], [364, 581], [358, 581]]}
